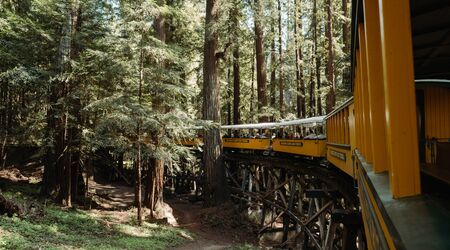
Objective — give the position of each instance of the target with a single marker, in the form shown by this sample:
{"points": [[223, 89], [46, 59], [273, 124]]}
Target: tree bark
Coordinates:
{"points": [[345, 28], [138, 166], [155, 185], [260, 60], [331, 96], [75, 112], [62, 160], [280, 58], [312, 96], [236, 68], [273, 59], [298, 61], [317, 56], [252, 94], [229, 101], [62, 139], [215, 191], [48, 186]]}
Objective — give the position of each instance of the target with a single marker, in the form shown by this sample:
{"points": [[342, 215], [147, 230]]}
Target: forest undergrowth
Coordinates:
{"points": [[45, 225]]}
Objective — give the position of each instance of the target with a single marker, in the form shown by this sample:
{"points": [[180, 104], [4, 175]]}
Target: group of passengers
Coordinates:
{"points": [[281, 134]]}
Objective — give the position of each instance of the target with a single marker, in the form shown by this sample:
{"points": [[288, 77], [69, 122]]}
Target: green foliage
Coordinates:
{"points": [[62, 229]]}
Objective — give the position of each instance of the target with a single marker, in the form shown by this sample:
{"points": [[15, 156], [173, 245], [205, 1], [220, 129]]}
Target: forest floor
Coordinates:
{"points": [[110, 223], [214, 228]]}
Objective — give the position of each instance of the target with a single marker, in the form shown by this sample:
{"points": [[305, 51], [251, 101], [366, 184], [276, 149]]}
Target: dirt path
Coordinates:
{"points": [[209, 234], [112, 196], [212, 228]]}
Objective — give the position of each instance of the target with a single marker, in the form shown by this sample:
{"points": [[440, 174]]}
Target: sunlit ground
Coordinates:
{"points": [[57, 228]]}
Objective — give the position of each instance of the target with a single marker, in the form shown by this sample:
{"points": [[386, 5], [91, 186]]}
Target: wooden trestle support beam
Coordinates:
{"points": [[311, 206]]}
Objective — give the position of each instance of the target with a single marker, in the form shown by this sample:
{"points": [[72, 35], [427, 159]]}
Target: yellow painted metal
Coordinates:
{"points": [[400, 98], [355, 110], [365, 95], [246, 143], [365, 210], [313, 148], [340, 128], [351, 126], [355, 104], [341, 125], [346, 121], [330, 130], [347, 129], [341, 158], [359, 107], [437, 117], [333, 128], [338, 150], [328, 126], [375, 85]]}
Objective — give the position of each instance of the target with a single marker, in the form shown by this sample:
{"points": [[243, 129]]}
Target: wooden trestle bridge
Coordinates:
{"points": [[304, 205]]}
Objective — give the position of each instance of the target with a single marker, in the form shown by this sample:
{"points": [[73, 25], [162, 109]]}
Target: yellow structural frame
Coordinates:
{"points": [[335, 154], [375, 85], [400, 97], [313, 148], [365, 95], [358, 108], [246, 143]]}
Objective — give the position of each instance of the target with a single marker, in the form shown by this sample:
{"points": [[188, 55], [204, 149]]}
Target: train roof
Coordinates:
{"points": [[266, 125], [306, 122]]}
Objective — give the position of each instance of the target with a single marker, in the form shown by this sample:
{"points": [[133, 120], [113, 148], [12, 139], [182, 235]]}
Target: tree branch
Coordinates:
{"points": [[221, 55]]}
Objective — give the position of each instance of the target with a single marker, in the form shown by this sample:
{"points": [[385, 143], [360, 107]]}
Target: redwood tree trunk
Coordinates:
{"points": [[155, 183], [75, 112], [331, 96], [236, 69], [312, 109], [260, 60], [280, 58], [63, 166], [138, 166], [345, 28], [273, 60], [215, 191], [316, 54], [298, 58]]}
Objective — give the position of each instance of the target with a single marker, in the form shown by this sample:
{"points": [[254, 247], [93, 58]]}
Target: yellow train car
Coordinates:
{"points": [[314, 147], [310, 148], [339, 124], [246, 143], [399, 122]]}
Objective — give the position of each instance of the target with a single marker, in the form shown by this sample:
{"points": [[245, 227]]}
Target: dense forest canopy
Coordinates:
{"points": [[77, 76]]}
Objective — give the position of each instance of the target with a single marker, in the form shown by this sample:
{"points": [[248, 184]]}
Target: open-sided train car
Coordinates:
{"points": [[301, 137], [394, 133]]}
